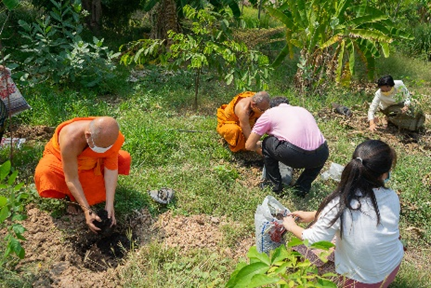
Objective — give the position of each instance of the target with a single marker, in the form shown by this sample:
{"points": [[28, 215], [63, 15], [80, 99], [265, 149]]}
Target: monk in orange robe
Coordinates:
{"points": [[236, 119], [82, 161]]}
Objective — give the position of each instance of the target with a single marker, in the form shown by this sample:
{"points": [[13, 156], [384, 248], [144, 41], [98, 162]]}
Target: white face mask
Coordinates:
{"points": [[98, 149]]}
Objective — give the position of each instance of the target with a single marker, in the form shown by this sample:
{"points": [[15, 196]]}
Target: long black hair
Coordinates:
{"points": [[369, 162]]}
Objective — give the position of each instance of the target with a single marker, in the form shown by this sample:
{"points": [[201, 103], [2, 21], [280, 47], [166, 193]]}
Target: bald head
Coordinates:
{"points": [[104, 131], [261, 97]]}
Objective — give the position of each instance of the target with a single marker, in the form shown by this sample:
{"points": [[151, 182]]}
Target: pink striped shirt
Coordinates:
{"points": [[290, 123]]}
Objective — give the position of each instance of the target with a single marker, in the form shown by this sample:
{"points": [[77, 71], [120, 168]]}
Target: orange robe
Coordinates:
{"points": [[228, 123], [49, 175]]}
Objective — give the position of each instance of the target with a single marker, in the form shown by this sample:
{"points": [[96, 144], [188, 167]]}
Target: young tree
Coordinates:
{"points": [[209, 45]]}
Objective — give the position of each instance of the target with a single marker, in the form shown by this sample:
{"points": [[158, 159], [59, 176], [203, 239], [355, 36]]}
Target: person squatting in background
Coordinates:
{"points": [[393, 100]]}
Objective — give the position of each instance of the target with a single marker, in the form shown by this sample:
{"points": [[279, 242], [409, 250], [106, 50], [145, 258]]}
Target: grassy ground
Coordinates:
{"points": [[174, 146]]}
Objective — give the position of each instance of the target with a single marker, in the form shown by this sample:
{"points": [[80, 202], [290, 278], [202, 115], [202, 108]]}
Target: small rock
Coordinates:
{"points": [[215, 220]]}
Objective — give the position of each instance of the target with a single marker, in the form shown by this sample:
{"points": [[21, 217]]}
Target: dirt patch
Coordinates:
{"points": [[357, 125], [64, 253], [198, 231], [37, 133]]}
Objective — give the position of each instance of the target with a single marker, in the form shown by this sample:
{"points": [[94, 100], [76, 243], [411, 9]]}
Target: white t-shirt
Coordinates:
{"points": [[368, 252], [385, 101]]}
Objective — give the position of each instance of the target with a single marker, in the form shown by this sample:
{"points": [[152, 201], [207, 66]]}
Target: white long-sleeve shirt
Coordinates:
{"points": [[367, 252], [385, 101]]}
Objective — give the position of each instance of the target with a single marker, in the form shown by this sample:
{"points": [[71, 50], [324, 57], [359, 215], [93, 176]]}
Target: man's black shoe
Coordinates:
{"points": [[269, 184], [300, 191]]}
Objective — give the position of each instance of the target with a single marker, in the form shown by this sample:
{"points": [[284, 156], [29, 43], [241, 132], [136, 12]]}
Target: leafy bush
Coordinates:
{"points": [[12, 210], [57, 52], [283, 267]]}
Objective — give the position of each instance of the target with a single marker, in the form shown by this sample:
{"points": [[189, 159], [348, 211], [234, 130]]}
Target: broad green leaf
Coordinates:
{"points": [[294, 242], [279, 15], [18, 228], [324, 283], [246, 274], [4, 170], [4, 214], [18, 187], [17, 248], [342, 6], [232, 279], [323, 245], [366, 19], [233, 6], [12, 177], [371, 35], [253, 253], [281, 56], [24, 25], [3, 201], [279, 254], [229, 79], [332, 40], [262, 280], [19, 217], [11, 4], [385, 49]]}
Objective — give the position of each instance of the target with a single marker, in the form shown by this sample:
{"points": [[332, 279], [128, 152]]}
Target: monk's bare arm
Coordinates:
{"points": [[111, 178], [253, 143], [243, 114], [69, 157]]}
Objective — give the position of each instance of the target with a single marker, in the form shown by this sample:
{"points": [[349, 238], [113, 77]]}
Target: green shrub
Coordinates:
{"points": [[12, 211], [55, 50], [283, 267]]}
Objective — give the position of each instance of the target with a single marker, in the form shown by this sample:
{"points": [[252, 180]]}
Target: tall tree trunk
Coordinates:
{"points": [[164, 19], [94, 7]]}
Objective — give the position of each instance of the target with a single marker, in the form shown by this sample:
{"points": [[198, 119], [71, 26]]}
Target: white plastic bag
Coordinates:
{"points": [[269, 229], [285, 172], [334, 172]]}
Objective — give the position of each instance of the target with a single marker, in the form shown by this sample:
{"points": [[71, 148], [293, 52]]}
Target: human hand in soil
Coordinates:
{"points": [[90, 216], [404, 109], [111, 215], [373, 124], [303, 216]]}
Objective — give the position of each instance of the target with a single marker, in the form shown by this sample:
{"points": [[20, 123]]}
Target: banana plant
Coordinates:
{"points": [[331, 34]]}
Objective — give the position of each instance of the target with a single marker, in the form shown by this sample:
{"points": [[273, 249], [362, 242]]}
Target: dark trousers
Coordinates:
{"points": [[274, 150]]}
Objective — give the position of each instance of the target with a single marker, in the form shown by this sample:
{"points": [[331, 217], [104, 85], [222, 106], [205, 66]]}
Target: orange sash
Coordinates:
{"points": [[228, 123]]}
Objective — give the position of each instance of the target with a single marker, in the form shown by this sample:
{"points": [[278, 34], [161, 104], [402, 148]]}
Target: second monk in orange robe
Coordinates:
{"points": [[236, 119]]}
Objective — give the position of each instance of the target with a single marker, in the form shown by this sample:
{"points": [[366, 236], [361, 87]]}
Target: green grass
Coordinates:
{"points": [[174, 146]]}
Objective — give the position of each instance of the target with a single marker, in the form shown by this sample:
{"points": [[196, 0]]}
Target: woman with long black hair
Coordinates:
{"points": [[363, 216]]}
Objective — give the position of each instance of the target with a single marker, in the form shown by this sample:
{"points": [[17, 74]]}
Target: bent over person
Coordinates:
{"points": [[294, 140], [236, 119], [82, 162]]}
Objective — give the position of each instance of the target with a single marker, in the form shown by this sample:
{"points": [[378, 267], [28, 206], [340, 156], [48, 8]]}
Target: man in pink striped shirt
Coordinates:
{"points": [[294, 139]]}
